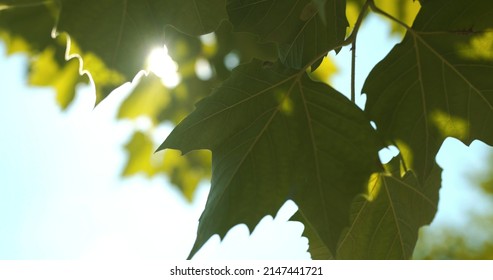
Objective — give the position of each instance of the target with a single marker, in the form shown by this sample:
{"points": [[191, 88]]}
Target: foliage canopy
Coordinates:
{"points": [[276, 128]]}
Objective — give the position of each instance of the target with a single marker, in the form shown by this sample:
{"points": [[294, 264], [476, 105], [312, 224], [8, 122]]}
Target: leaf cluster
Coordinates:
{"points": [[275, 130]]}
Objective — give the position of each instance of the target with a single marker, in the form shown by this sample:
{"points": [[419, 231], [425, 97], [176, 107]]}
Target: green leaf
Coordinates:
{"points": [[50, 69], [185, 172], [385, 224], [302, 35], [26, 29], [26, 26], [118, 35], [276, 135], [436, 83], [317, 248], [148, 98]]}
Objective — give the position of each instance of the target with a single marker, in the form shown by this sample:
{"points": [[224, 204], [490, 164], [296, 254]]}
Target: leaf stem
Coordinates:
{"points": [[352, 38], [353, 71], [385, 14], [349, 40], [354, 33]]}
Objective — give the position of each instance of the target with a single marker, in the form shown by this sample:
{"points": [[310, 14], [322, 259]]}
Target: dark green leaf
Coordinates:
{"points": [[302, 35], [385, 224], [316, 246], [437, 83], [276, 135]]}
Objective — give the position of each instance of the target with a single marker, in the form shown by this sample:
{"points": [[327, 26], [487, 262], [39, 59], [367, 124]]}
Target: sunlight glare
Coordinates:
{"points": [[163, 66], [203, 69], [231, 60]]}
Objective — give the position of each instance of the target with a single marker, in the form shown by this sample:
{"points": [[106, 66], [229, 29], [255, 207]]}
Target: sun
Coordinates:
{"points": [[163, 66]]}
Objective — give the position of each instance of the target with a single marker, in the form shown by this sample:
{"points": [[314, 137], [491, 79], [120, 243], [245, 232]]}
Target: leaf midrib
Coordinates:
{"points": [[315, 155], [256, 139]]}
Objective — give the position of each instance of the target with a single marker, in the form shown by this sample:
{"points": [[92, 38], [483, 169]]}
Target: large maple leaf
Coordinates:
{"points": [[277, 135], [438, 82], [386, 220], [385, 224]]}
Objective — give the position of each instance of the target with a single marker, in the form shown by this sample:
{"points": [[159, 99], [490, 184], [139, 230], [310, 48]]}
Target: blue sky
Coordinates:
{"points": [[61, 196]]}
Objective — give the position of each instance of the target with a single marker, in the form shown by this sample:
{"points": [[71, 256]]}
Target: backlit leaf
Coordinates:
{"points": [[118, 35], [148, 98], [316, 246], [295, 25], [385, 224], [184, 172], [437, 82], [45, 70], [276, 135], [26, 29]]}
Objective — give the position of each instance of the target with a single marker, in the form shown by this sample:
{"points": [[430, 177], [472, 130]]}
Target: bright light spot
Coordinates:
{"points": [[450, 125], [209, 44], [231, 60], [479, 47], [208, 39], [388, 153], [203, 69], [143, 123], [163, 66]]}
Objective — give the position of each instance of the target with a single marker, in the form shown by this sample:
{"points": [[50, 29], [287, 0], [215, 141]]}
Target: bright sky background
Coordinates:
{"points": [[61, 196]]}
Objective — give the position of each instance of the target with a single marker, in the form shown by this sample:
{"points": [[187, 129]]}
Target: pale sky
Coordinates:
{"points": [[61, 196]]}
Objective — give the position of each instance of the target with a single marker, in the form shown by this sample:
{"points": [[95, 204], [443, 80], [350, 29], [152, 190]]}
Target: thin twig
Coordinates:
{"points": [[349, 40], [353, 71], [353, 50]]}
